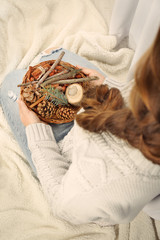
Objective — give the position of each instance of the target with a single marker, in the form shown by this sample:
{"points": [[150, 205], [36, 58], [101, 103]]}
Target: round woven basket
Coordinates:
{"points": [[32, 75]]}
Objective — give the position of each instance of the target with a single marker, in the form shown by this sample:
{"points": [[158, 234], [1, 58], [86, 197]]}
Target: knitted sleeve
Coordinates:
{"points": [[49, 163], [62, 181], [92, 187]]}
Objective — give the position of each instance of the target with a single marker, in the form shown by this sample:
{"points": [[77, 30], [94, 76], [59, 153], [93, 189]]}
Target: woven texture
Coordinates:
{"points": [[55, 116]]}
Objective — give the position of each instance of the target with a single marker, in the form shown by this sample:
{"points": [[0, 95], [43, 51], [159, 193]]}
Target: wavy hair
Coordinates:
{"points": [[138, 124]]}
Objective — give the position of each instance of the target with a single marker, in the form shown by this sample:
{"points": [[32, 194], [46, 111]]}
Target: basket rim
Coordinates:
{"points": [[49, 120]]}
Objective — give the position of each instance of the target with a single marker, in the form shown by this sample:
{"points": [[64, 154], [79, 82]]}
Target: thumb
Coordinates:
{"points": [[22, 106], [85, 70]]}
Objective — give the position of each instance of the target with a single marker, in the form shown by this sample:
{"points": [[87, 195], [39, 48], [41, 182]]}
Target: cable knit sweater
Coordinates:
{"points": [[92, 178]]}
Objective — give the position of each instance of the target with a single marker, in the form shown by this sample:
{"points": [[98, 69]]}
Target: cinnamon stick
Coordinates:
{"points": [[58, 74], [51, 68], [29, 72], [38, 101]]}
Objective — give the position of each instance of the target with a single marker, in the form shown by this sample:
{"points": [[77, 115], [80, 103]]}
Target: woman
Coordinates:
{"points": [[9, 93], [107, 168]]}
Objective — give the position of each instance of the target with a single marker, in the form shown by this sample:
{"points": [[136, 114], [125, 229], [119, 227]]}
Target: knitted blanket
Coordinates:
{"points": [[27, 28]]}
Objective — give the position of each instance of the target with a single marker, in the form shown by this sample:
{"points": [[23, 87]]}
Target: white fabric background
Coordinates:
{"points": [[27, 28], [138, 20]]}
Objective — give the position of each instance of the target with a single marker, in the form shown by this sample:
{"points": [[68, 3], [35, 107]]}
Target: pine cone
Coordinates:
{"points": [[30, 93], [65, 113], [46, 109]]}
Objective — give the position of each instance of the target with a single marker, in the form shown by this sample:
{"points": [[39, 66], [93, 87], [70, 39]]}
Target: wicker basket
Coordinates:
{"points": [[32, 75]]}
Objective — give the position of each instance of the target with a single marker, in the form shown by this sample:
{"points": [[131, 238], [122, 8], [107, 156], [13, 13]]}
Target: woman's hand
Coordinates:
{"points": [[91, 73], [27, 116]]}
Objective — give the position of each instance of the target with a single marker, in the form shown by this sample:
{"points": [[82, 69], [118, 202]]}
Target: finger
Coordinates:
{"points": [[22, 106], [85, 70], [78, 66], [20, 102], [19, 98]]}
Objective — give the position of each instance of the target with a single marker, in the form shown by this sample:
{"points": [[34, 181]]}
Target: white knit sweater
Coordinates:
{"points": [[92, 178]]}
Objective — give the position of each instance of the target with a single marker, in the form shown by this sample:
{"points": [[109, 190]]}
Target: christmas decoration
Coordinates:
{"points": [[44, 90], [46, 109], [55, 95], [74, 94], [65, 113]]}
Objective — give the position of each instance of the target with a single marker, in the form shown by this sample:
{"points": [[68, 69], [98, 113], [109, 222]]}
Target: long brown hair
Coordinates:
{"points": [[140, 124]]}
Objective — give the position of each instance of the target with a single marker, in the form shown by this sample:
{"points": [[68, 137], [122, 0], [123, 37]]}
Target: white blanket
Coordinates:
{"points": [[27, 28]]}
